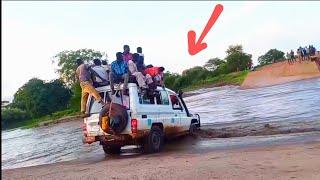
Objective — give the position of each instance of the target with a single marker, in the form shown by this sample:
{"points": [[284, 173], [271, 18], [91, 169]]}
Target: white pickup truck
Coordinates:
{"points": [[147, 120]]}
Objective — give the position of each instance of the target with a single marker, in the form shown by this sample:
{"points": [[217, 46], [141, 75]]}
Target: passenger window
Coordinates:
{"points": [[162, 98], [146, 99], [95, 107], [175, 102]]}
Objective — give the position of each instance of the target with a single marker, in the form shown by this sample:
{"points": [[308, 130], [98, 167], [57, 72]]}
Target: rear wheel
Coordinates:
{"points": [[154, 140], [111, 149]]}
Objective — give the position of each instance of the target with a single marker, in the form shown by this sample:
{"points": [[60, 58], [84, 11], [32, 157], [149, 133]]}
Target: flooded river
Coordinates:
{"points": [[62, 142]]}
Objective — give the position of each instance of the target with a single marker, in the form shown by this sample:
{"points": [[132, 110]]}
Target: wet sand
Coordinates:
{"points": [[298, 158], [253, 128]]}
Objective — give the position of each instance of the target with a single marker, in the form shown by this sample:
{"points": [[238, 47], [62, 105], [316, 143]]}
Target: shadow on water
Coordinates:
{"points": [[296, 101]]}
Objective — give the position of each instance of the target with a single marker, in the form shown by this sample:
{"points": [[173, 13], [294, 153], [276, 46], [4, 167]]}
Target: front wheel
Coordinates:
{"points": [[154, 140], [111, 149], [198, 124], [192, 129]]}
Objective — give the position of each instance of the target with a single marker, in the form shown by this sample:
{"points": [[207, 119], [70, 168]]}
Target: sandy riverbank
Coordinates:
{"points": [[290, 161], [281, 72]]}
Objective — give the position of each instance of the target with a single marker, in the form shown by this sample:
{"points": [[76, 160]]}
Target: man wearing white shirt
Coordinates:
{"points": [[100, 75]]}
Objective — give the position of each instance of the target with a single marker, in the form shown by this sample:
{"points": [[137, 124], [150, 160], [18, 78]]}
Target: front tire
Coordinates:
{"points": [[154, 141], [192, 129], [199, 123], [111, 149]]}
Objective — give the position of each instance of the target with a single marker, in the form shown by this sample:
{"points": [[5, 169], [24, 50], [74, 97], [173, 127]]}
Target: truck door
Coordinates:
{"points": [[166, 115], [184, 119], [176, 109], [147, 111]]}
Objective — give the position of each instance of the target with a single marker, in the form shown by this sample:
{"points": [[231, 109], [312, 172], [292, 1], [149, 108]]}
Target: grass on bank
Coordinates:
{"points": [[235, 78], [48, 118]]}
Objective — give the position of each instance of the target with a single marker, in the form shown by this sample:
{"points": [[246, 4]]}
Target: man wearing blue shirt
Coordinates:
{"points": [[119, 71]]}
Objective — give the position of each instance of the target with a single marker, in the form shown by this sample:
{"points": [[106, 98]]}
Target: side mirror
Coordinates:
{"points": [[180, 93]]}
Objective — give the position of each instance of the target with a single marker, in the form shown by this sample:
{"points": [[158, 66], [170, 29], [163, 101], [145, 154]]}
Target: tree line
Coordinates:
{"points": [[37, 98], [236, 60]]}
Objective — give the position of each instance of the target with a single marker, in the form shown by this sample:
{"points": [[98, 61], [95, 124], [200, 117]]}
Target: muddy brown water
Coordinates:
{"points": [[222, 109]]}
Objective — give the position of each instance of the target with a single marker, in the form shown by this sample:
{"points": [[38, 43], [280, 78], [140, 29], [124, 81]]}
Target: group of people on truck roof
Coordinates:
{"points": [[126, 68]]}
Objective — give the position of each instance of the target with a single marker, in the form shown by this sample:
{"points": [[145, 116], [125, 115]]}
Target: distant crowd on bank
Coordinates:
{"points": [[302, 54]]}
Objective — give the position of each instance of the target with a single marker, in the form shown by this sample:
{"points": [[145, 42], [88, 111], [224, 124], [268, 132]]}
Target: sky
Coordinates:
{"points": [[33, 32]]}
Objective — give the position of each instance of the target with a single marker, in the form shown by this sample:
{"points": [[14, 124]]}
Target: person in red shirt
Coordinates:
{"points": [[127, 56], [156, 73]]}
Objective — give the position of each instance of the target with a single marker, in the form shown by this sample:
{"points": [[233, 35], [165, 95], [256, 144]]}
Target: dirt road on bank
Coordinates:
{"points": [[291, 156]]}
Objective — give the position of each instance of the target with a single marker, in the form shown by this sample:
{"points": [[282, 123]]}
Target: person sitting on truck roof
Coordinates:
{"points": [[138, 75], [83, 75], [119, 71], [139, 51], [126, 53], [140, 63], [157, 74], [99, 74], [138, 60]]}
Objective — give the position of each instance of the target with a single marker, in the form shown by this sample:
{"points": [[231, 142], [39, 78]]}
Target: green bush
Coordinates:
{"points": [[75, 99], [40, 98], [13, 117]]}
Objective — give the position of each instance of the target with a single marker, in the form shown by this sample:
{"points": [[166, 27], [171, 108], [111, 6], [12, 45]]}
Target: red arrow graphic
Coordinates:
{"points": [[195, 47]]}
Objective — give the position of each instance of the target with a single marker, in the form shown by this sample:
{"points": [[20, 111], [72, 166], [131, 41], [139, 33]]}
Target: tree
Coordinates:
{"points": [[25, 96], [272, 56], [237, 60], [213, 64], [66, 62], [75, 100], [234, 49], [38, 98], [11, 117], [170, 79]]}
